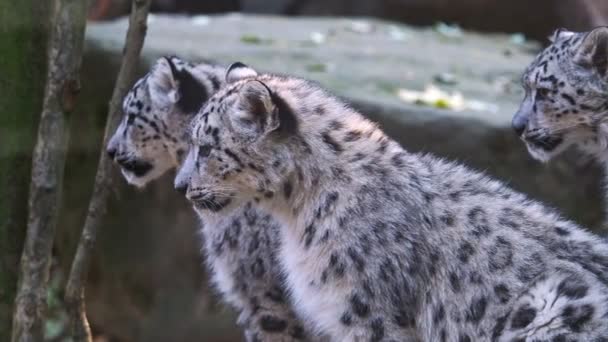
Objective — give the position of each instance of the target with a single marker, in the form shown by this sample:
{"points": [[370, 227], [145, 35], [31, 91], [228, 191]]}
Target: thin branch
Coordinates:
{"points": [[62, 87], [74, 294]]}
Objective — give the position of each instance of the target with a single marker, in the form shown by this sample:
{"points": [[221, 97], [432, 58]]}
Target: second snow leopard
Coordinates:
{"points": [[379, 244], [240, 248], [566, 101]]}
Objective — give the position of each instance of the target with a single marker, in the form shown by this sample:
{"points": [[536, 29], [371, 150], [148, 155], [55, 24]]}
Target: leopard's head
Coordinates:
{"points": [[151, 138], [237, 151], [566, 95]]}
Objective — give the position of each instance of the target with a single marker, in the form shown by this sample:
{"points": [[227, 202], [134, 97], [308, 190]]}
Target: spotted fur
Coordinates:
{"points": [[379, 244], [240, 248]]}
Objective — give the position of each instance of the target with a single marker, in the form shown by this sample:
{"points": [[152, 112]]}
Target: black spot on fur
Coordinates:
{"points": [[339, 270], [397, 159], [258, 269], [439, 314], [533, 267], [572, 288], [448, 219], [502, 292], [465, 251], [346, 319], [475, 278], [287, 189], [523, 317], [324, 276], [325, 237], [297, 332], [357, 157], [333, 145], [569, 99], [254, 244], [405, 319], [499, 326], [360, 308], [383, 146], [478, 219], [275, 294], [309, 234], [335, 125], [272, 324], [358, 261], [501, 254], [562, 231], [454, 281], [577, 317], [256, 167], [559, 338], [234, 157], [353, 135], [464, 338], [477, 310], [443, 335], [377, 329], [508, 218], [320, 110]]}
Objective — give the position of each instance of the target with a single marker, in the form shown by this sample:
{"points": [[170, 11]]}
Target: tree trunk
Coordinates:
{"points": [[74, 294], [23, 39], [48, 161]]}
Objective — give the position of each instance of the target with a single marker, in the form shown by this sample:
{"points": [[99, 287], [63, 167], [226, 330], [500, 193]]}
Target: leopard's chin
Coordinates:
{"points": [[132, 179], [542, 154]]}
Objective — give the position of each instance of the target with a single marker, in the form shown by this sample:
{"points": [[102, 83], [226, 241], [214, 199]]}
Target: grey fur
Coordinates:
{"points": [[379, 244]]}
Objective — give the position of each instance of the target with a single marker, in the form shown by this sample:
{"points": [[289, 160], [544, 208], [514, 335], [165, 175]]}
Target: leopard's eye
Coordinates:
{"points": [[130, 118], [542, 93], [204, 151]]}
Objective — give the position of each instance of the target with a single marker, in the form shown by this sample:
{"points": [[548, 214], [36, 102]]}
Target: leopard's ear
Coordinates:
{"points": [[254, 113], [173, 85], [162, 85], [259, 111], [238, 71], [560, 33], [593, 51]]}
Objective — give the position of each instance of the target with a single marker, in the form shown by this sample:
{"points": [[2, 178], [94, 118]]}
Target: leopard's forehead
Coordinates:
{"points": [[137, 100], [555, 58]]}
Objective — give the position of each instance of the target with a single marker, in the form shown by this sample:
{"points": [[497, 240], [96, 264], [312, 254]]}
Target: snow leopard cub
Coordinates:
{"points": [[240, 247], [379, 244]]}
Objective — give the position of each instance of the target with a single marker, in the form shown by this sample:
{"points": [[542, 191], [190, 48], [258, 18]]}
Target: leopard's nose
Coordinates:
{"points": [[111, 152], [181, 187], [519, 123]]}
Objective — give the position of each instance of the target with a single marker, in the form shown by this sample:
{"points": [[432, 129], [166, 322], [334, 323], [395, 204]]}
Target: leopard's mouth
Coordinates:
{"points": [[212, 203], [137, 167], [547, 143], [544, 147]]}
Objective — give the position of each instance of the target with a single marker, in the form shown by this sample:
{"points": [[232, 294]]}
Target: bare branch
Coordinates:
{"points": [[74, 295], [64, 60]]}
